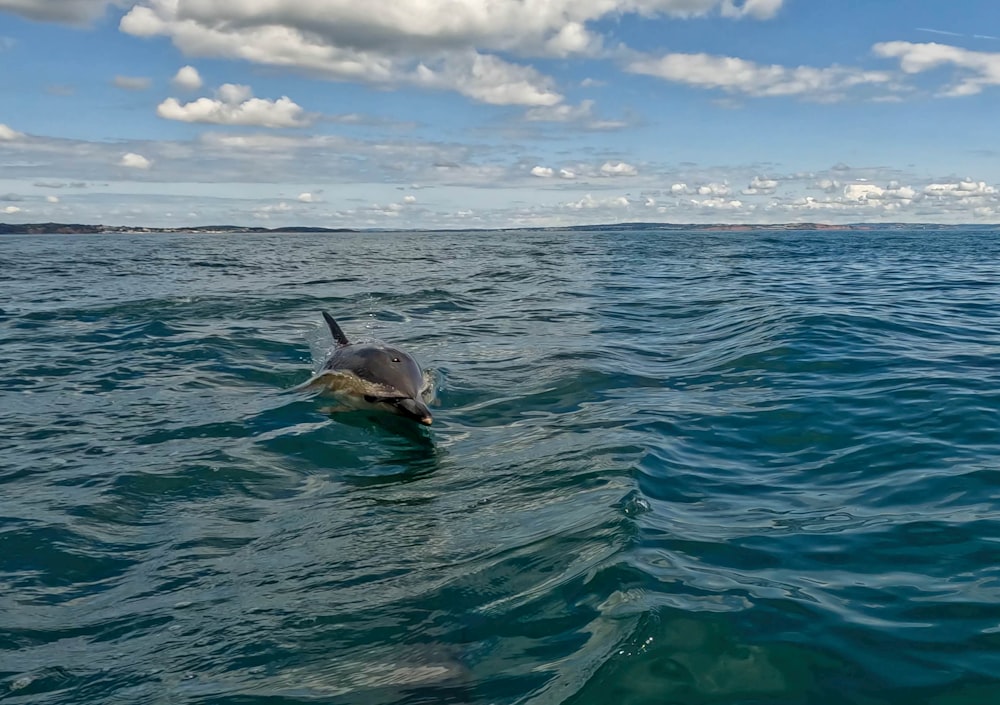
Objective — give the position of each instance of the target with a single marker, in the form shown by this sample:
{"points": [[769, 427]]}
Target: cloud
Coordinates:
{"points": [[713, 189], [488, 79], [760, 186], [64, 11], [618, 169], [739, 76], [552, 28], [10, 210], [483, 77], [59, 184], [967, 189], [234, 105], [452, 46], [588, 202], [8, 134], [52, 199], [280, 207], [561, 113], [132, 83], [982, 69], [409, 199], [187, 78], [572, 38], [580, 115], [945, 201], [132, 160], [234, 93], [863, 192], [266, 211], [718, 203], [218, 170], [758, 9], [585, 171]]}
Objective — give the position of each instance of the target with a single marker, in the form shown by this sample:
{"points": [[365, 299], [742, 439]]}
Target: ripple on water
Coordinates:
{"points": [[665, 467]]}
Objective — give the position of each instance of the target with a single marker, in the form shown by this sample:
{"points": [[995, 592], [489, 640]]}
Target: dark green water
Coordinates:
{"points": [[665, 468]]}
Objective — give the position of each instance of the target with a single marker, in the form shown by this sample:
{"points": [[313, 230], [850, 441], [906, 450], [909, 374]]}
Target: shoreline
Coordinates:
{"points": [[99, 229]]}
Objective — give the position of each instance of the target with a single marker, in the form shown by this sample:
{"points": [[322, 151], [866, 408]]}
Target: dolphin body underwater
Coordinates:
{"points": [[372, 376]]}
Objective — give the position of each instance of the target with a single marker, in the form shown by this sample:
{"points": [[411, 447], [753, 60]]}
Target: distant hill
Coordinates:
{"points": [[76, 228]]}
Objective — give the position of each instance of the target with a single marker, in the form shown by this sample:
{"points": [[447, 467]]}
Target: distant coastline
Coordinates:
{"points": [[85, 229]]}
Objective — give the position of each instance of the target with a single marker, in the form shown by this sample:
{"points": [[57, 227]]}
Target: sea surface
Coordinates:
{"points": [[665, 467]]}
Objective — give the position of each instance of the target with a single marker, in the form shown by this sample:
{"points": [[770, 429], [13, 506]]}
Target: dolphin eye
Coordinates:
{"points": [[395, 359]]}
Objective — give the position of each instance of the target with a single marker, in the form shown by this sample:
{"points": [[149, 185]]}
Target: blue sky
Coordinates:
{"points": [[498, 113]]}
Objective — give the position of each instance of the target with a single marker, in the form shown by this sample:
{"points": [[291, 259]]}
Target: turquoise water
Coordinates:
{"points": [[665, 468]]}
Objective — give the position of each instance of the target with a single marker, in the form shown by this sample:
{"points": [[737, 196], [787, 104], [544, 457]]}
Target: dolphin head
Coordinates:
{"points": [[398, 376]]}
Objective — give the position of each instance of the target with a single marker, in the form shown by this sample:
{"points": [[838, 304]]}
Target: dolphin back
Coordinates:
{"points": [[335, 330]]}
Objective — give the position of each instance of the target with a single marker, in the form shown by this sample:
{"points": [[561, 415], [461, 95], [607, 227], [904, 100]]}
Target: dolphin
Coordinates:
{"points": [[374, 376]]}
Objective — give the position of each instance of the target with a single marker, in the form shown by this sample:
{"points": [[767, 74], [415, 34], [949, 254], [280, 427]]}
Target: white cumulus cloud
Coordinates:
{"points": [[719, 203], [234, 105], [960, 189], [8, 134], [713, 189], [132, 160], [187, 78], [11, 210], [233, 93], [487, 79], [453, 45], [588, 202], [863, 192], [544, 172], [981, 69], [618, 169]]}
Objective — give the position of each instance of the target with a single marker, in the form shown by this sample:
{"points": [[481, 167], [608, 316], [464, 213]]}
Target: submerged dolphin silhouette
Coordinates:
{"points": [[373, 375]]}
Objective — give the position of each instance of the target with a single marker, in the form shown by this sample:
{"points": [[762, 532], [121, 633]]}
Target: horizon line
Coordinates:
{"points": [[54, 228]]}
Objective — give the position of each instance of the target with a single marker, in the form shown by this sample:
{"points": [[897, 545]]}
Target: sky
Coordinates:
{"points": [[498, 113]]}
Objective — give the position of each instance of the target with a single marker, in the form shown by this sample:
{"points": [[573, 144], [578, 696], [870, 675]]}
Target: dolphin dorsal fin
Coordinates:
{"points": [[338, 334]]}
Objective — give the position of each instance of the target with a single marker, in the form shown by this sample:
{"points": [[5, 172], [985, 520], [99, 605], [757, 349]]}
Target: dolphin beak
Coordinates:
{"points": [[416, 410]]}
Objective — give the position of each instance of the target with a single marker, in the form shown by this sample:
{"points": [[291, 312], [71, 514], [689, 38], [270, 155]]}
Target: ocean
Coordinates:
{"points": [[665, 467]]}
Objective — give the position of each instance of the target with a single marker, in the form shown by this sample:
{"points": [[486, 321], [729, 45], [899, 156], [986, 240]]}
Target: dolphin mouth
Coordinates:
{"points": [[415, 410]]}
